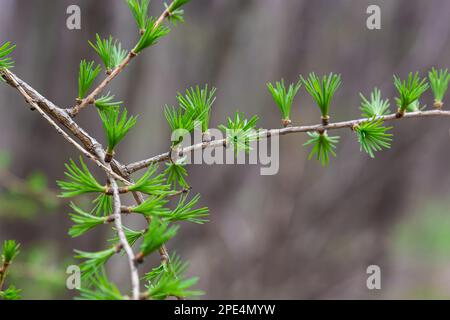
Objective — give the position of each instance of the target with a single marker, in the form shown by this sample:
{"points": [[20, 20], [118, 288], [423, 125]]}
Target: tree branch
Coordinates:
{"points": [[90, 99], [136, 166], [92, 148], [16, 83], [123, 239]]}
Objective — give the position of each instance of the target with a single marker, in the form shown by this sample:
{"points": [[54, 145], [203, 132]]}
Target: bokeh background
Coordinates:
{"points": [[306, 233]]}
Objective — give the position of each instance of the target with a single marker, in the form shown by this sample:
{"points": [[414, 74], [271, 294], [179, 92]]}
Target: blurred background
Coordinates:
{"points": [[306, 233]]}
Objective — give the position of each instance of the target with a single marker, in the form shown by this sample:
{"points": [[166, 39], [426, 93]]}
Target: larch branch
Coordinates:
{"points": [[264, 133], [90, 99]]}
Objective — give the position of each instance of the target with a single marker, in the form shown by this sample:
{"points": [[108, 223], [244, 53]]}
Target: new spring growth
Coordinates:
{"points": [[10, 249], [439, 81], [110, 52], [5, 50], [284, 98], [86, 77], [322, 91], [409, 91], [116, 127]]}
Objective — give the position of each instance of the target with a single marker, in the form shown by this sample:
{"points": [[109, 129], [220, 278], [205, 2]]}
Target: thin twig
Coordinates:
{"points": [[58, 129], [96, 150], [136, 166], [90, 99], [123, 239]]}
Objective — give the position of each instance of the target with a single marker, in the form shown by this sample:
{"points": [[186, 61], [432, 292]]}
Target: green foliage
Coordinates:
{"points": [[12, 293], [180, 119], [152, 206], [170, 285], [83, 221], [5, 61], [86, 77], [106, 102], [240, 131], [80, 181], [177, 4], [151, 183], [104, 289], [376, 106], [174, 16], [139, 10], [284, 98], [185, 211], [439, 81], [323, 90], [116, 126], [372, 136], [102, 205], [158, 234], [110, 52], [198, 103], [409, 90], [93, 261], [131, 235], [176, 174], [10, 250], [165, 280], [415, 106], [322, 146], [152, 34]]}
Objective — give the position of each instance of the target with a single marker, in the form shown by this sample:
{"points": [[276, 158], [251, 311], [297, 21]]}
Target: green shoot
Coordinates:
{"points": [[439, 81], [139, 10], [150, 183], [80, 181], [376, 106], [106, 102], [152, 206], [116, 127], [93, 261], [131, 235], [322, 91], [164, 281], [158, 234], [10, 250], [170, 285], [86, 77], [372, 136], [84, 221], [10, 294], [323, 147], [415, 106], [177, 4], [185, 211], [409, 91], [151, 35], [176, 174], [174, 16], [198, 102], [5, 50], [110, 52], [102, 205], [105, 290], [284, 98], [240, 131], [180, 119]]}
